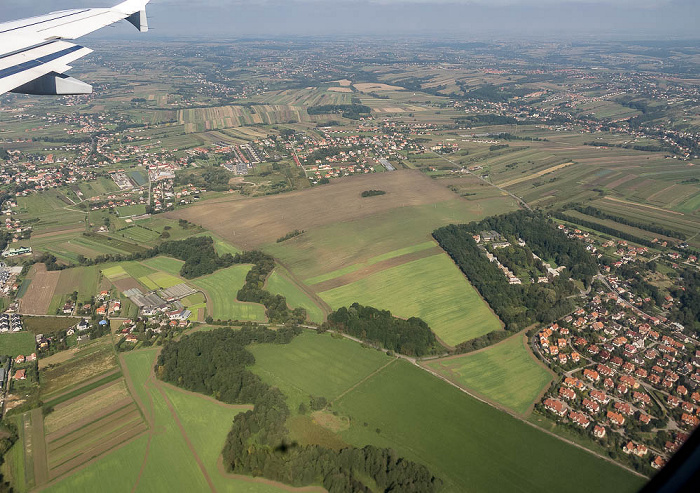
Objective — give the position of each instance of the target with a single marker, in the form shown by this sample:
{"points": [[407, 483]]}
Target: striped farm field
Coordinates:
{"points": [[431, 288], [115, 273], [505, 373], [165, 264]]}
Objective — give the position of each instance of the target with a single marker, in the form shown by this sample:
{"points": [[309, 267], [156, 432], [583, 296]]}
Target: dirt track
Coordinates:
{"points": [[250, 223]]}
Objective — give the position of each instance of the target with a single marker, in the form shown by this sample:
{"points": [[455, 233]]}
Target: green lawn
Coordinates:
{"points": [[432, 288], [505, 373], [470, 445], [280, 284], [131, 210], [222, 287], [16, 343], [165, 264], [314, 364], [164, 280], [114, 273], [136, 270]]}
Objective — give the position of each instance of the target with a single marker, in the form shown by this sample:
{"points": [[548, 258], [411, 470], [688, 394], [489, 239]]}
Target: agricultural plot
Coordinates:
{"points": [[221, 288], [48, 325], [470, 445], [333, 247], [317, 365], [202, 119], [280, 284], [37, 298], [185, 428], [431, 288], [165, 264], [505, 373], [249, 223], [14, 344], [139, 234], [97, 359]]}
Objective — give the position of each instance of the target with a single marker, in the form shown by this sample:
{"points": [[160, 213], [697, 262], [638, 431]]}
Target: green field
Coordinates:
{"points": [[432, 288], [505, 373], [309, 365], [164, 280], [114, 273], [280, 284], [136, 269], [468, 444], [374, 260], [17, 343], [164, 463], [165, 264], [221, 288]]}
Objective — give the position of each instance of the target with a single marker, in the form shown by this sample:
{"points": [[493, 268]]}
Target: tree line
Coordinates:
{"points": [[605, 229], [411, 337], [352, 111], [654, 228], [216, 363]]}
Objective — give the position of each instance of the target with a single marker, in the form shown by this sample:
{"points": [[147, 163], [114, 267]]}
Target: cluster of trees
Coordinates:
{"points": [[290, 235], [520, 305], [636, 147], [654, 228], [482, 341], [688, 295], [481, 120], [352, 111], [604, 229], [210, 178], [275, 304], [198, 253], [215, 363], [412, 337], [372, 193]]}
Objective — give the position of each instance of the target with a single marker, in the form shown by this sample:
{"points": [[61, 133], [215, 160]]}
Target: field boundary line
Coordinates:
{"points": [[235, 407], [549, 370], [176, 417], [363, 380]]}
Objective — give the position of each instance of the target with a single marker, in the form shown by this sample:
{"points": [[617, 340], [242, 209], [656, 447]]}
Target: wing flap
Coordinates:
{"points": [[21, 68]]}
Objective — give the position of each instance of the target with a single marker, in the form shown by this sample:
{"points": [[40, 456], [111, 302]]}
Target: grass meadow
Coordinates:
{"points": [[314, 364], [469, 444], [221, 288], [505, 373], [432, 288], [280, 284], [14, 344]]}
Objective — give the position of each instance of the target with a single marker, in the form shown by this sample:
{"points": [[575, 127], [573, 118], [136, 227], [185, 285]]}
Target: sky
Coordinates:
{"points": [[482, 20]]}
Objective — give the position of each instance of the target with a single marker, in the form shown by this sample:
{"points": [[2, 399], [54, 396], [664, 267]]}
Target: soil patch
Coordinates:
{"points": [[38, 297]]}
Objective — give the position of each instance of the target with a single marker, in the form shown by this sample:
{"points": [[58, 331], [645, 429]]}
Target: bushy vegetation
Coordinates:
{"points": [[290, 235], [352, 111], [412, 337], [198, 253], [215, 363], [519, 305], [688, 294], [372, 193]]}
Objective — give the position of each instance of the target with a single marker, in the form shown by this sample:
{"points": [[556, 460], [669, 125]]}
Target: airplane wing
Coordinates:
{"points": [[34, 55]]}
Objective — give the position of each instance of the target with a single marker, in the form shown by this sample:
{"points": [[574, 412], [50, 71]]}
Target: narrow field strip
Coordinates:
{"points": [[92, 384], [103, 447], [62, 438]]}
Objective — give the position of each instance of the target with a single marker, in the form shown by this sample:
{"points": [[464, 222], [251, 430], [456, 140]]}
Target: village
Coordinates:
{"points": [[628, 377]]}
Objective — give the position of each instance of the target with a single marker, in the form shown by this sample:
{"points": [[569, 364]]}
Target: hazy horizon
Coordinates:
{"points": [[456, 19]]}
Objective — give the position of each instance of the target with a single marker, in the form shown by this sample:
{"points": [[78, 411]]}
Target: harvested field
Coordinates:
{"points": [[340, 89], [128, 283], [534, 175], [90, 403], [38, 297], [253, 222], [76, 371]]}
